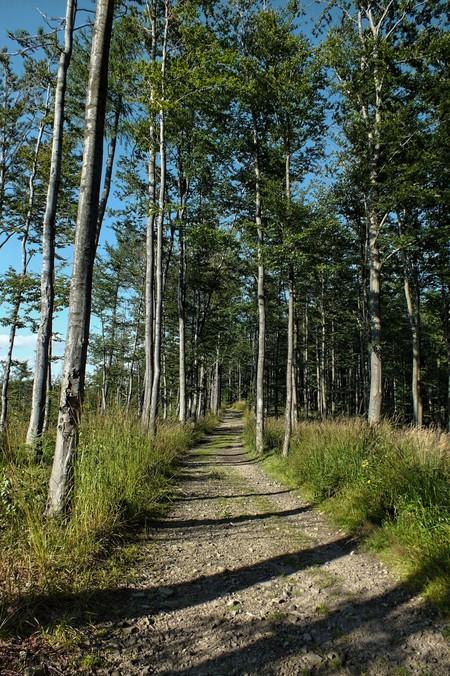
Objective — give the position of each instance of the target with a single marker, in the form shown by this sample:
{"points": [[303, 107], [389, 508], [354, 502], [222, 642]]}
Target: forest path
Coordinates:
{"points": [[242, 577]]}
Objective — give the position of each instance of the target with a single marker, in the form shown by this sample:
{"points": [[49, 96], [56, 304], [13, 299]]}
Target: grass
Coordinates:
{"points": [[390, 486], [121, 478]]}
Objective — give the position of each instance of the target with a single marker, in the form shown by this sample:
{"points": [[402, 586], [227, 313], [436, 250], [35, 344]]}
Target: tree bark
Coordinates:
{"points": [[44, 338], [24, 269], [413, 304], [182, 195], [159, 242], [72, 387], [108, 170], [150, 254], [259, 441], [376, 381], [289, 371], [290, 332]]}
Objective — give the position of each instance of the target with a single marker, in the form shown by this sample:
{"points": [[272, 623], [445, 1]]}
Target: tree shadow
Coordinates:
{"points": [[229, 520], [124, 603], [230, 497], [264, 641]]}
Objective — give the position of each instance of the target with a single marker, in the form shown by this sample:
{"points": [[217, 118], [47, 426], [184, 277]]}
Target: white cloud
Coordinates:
{"points": [[20, 341]]}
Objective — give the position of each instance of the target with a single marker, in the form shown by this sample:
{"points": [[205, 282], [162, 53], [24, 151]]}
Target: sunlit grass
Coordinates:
{"points": [[121, 478], [390, 485]]}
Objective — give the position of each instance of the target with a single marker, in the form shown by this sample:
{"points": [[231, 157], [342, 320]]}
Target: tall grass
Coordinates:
{"points": [[120, 478], [391, 486]]}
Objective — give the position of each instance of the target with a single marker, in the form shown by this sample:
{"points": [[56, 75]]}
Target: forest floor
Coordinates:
{"points": [[243, 577]]}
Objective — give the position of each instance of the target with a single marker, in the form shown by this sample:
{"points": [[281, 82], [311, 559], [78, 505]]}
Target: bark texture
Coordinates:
{"points": [[61, 480], [43, 346]]}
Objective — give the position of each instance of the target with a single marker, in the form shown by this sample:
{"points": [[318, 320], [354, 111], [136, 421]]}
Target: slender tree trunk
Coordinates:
{"points": [[149, 248], [199, 411], [133, 357], [290, 332], [24, 269], [182, 193], [306, 362], [72, 387], [323, 381], [7, 367], [109, 359], [289, 371], [412, 296], [108, 170], [48, 392], [44, 338], [294, 415], [445, 292], [413, 305], [376, 381], [261, 305], [159, 242], [215, 399], [333, 370], [374, 227]]}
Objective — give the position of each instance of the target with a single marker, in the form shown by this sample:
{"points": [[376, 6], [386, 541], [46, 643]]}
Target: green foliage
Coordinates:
{"points": [[121, 478], [390, 486]]}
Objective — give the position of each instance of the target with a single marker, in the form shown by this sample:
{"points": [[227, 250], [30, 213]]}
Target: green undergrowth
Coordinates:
{"points": [[121, 479], [390, 486]]}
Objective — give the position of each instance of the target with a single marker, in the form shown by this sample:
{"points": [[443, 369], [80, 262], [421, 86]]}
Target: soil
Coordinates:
{"points": [[243, 577]]}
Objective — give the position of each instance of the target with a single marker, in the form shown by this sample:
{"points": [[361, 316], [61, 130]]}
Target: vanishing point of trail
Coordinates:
{"points": [[242, 577]]}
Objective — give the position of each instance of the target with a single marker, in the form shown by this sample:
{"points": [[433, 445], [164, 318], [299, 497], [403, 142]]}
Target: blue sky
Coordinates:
{"points": [[27, 14]]}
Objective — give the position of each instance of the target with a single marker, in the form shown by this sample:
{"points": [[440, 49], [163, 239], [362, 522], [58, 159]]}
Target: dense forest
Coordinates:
{"points": [[208, 202]]}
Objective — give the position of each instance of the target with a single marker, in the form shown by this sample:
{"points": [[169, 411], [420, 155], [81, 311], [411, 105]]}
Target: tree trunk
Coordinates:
{"points": [[48, 392], [109, 360], [72, 387], [294, 415], [159, 243], [413, 305], [108, 170], [133, 357], [376, 381], [412, 296], [323, 381], [44, 338], [306, 362], [182, 194], [289, 371], [290, 332], [24, 269], [259, 442], [150, 254]]}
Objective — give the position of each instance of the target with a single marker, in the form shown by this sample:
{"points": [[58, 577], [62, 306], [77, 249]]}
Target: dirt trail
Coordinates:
{"points": [[243, 578]]}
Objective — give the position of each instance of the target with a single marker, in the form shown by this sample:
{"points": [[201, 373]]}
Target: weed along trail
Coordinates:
{"points": [[241, 577]]}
